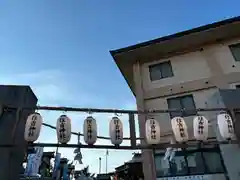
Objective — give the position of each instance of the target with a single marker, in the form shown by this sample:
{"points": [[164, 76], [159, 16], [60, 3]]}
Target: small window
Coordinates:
{"points": [[160, 71], [162, 166], [213, 162], [235, 49], [190, 162], [183, 102], [238, 86], [195, 163]]}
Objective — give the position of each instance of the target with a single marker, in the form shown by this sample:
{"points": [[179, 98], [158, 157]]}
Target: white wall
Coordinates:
{"points": [[193, 66], [185, 68], [190, 67], [225, 58]]}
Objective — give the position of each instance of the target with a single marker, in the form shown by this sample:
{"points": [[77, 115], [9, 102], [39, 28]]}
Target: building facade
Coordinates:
{"points": [[183, 70]]}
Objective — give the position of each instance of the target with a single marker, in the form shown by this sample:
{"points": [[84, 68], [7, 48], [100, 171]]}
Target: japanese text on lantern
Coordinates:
{"points": [[180, 126], [200, 125], [117, 129], [153, 129], [32, 126], [62, 129], [89, 129], [229, 123]]}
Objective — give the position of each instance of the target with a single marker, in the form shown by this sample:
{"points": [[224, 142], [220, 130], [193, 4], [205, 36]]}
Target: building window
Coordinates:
{"points": [[235, 49], [238, 86], [190, 162], [213, 162], [183, 102], [160, 71]]}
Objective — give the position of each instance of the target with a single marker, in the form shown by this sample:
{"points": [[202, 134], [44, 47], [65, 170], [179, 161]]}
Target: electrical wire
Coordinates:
{"points": [[121, 111], [99, 137], [122, 147], [116, 111]]}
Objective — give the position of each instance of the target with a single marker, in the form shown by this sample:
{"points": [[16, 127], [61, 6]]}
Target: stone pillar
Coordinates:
{"points": [[148, 163], [11, 158]]}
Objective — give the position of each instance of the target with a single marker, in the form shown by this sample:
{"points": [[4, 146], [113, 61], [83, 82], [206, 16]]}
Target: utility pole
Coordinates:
{"points": [[107, 161], [100, 164]]}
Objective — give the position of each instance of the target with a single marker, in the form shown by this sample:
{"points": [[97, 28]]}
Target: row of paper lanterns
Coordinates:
{"points": [[152, 127], [63, 129], [200, 129]]}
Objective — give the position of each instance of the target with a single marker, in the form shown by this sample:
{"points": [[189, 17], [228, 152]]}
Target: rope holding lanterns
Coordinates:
{"points": [[179, 127], [33, 127]]}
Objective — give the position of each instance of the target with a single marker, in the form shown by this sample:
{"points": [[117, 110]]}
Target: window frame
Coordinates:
{"points": [[180, 99], [237, 86], [187, 153], [160, 66], [232, 47]]}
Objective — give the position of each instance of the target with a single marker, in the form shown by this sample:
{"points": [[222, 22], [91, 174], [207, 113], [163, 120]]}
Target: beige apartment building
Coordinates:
{"points": [[184, 70]]}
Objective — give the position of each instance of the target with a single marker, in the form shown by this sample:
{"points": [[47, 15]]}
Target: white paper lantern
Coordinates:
{"points": [[225, 125], [152, 129], [33, 127], [116, 131], [179, 128], [90, 130], [63, 129], [200, 128]]}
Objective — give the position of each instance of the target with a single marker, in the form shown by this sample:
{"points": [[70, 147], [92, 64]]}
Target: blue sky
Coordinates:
{"points": [[61, 48]]}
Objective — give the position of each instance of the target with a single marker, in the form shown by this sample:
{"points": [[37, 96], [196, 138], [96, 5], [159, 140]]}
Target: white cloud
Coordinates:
{"points": [[45, 84], [52, 87]]}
